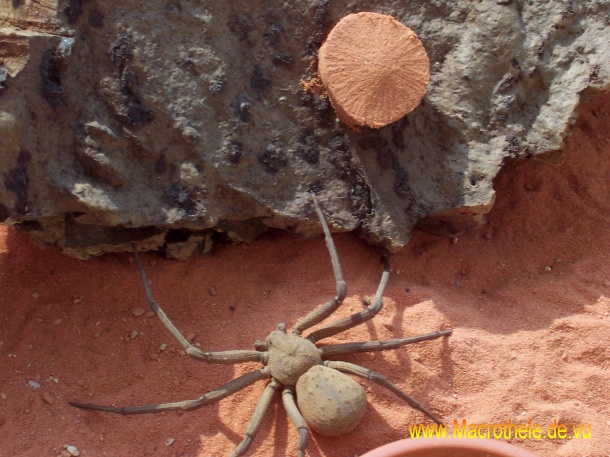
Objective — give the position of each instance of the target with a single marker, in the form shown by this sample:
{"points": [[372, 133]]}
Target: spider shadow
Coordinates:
{"points": [[275, 422], [281, 427], [403, 361], [445, 375]]}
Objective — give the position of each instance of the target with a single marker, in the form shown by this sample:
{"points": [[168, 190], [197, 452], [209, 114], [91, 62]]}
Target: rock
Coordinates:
{"points": [[117, 129], [72, 450], [137, 312], [48, 398]]}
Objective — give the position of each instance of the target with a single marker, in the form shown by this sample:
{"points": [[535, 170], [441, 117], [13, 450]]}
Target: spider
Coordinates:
{"points": [[316, 392]]}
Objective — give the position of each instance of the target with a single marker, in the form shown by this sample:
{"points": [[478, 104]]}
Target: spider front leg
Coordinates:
{"points": [[223, 357], [321, 313], [371, 311]]}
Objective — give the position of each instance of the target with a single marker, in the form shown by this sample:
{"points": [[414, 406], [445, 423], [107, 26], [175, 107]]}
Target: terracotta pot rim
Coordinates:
{"points": [[410, 447]]}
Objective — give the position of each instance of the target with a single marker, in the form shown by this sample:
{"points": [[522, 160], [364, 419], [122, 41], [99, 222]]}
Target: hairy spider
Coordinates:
{"points": [[329, 402]]}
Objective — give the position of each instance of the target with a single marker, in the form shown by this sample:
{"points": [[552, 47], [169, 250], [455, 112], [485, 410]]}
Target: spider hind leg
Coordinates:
{"points": [[380, 379]]}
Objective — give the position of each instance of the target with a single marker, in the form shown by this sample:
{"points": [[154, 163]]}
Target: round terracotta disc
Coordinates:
{"points": [[375, 69]]}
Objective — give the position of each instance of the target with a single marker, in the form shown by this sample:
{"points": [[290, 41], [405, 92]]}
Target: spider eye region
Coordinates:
{"points": [[290, 356], [331, 402]]}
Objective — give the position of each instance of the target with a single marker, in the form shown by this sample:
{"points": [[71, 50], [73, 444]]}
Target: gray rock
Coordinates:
{"points": [[166, 123]]}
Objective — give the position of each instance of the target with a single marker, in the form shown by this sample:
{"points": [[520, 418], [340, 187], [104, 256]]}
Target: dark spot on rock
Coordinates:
{"points": [[283, 58], [321, 23], [594, 75], [398, 137], [182, 197], [273, 33], [137, 113], [189, 65], [121, 57], [322, 111], [17, 3], [273, 157], [379, 145], [308, 148], [241, 25], [339, 148], [372, 142], [315, 187], [235, 151], [415, 210], [160, 165], [359, 193], [51, 70], [401, 185], [16, 181], [73, 11], [241, 108], [541, 49], [173, 8], [387, 159], [512, 144], [134, 110], [217, 84], [258, 81], [359, 197], [96, 19]]}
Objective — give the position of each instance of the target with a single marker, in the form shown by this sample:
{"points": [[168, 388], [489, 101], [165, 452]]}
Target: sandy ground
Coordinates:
{"points": [[528, 296]]}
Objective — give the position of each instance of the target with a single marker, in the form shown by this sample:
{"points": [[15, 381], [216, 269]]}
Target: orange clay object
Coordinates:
{"points": [[375, 69]]}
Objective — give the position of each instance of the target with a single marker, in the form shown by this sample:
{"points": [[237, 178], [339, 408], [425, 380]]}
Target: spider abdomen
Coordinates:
{"points": [[331, 402]]}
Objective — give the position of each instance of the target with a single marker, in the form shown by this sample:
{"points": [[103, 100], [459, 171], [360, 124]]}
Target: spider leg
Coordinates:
{"points": [[345, 323], [379, 345], [223, 357], [206, 399], [297, 418], [322, 312], [380, 379], [257, 417]]}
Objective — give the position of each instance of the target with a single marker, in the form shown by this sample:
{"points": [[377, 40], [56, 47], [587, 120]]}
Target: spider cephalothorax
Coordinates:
{"points": [[316, 392]]}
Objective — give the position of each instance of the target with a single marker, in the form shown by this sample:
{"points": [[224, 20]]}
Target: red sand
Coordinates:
{"points": [[527, 294]]}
